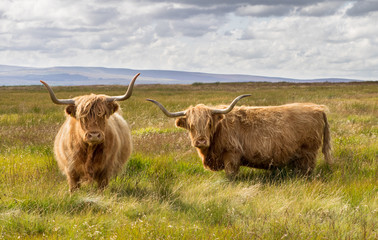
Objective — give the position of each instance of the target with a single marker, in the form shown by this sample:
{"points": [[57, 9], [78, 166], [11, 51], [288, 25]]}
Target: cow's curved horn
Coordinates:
{"points": [[232, 105], [127, 94], [54, 99], [165, 111]]}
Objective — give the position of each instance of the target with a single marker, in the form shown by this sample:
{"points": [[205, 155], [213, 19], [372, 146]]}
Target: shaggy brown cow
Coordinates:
{"points": [[95, 141], [258, 137]]}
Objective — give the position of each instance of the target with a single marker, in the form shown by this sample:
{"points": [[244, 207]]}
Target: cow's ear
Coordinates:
{"points": [[113, 106], [71, 110], [181, 122]]}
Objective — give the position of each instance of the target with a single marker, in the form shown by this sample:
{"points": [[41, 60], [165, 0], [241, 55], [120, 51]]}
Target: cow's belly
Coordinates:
{"points": [[266, 162]]}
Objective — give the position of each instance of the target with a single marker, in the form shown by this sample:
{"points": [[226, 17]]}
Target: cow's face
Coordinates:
{"points": [[201, 121], [92, 112], [201, 124]]}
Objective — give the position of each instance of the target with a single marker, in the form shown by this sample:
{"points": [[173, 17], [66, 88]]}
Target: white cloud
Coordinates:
{"points": [[321, 9], [291, 38], [264, 10]]}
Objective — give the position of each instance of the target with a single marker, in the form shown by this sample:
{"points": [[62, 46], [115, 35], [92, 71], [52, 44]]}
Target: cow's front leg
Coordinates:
{"points": [[73, 181], [231, 163], [102, 184], [102, 179]]}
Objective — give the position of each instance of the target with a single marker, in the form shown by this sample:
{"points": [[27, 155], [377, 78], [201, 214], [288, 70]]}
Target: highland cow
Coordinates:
{"points": [[95, 141], [258, 137]]}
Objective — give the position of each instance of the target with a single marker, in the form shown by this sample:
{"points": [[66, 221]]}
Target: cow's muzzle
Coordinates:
{"points": [[94, 137], [201, 143]]}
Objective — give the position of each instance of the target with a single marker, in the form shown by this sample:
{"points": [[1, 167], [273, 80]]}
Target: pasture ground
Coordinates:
{"points": [[163, 191]]}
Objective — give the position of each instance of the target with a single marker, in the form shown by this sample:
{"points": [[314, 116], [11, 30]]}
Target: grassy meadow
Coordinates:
{"points": [[164, 192]]}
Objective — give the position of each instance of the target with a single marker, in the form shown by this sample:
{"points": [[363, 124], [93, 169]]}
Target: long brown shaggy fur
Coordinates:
{"points": [[259, 137], [80, 158]]}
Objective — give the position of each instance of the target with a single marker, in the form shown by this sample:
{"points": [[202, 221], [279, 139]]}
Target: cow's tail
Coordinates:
{"points": [[327, 141]]}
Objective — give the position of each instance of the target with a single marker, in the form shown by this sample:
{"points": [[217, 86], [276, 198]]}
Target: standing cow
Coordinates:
{"points": [[259, 137], [95, 141]]}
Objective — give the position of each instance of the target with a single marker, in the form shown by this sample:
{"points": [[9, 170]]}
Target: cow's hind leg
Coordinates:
{"points": [[304, 162], [231, 163]]}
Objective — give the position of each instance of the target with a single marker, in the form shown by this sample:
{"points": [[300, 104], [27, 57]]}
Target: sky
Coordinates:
{"points": [[301, 39]]}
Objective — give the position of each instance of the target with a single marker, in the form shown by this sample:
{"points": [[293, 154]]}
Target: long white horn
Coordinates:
{"points": [[232, 105], [56, 100], [127, 94], [165, 111]]}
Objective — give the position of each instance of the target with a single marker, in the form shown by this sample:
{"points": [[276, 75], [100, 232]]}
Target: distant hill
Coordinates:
{"points": [[73, 76]]}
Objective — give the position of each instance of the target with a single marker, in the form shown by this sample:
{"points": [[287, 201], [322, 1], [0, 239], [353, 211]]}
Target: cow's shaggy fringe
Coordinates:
{"points": [[92, 106]]}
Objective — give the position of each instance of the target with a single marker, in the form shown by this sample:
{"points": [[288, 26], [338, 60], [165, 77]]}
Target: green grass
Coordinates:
{"points": [[153, 130], [163, 192]]}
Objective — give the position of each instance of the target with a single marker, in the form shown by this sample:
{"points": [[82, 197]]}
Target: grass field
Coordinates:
{"points": [[163, 191]]}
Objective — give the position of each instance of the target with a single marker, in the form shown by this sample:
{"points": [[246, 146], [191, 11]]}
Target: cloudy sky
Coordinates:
{"points": [[282, 38]]}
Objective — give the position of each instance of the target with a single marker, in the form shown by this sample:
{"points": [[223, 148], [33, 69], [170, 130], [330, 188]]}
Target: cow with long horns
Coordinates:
{"points": [[259, 137], [94, 142]]}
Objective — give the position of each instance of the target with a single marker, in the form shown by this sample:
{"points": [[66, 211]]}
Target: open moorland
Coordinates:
{"points": [[163, 192]]}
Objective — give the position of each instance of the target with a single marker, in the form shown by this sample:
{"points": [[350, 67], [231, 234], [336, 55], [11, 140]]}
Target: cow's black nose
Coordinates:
{"points": [[201, 142], [94, 136]]}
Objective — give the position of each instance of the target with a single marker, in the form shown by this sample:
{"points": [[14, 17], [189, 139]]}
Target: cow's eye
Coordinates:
{"points": [[208, 124]]}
